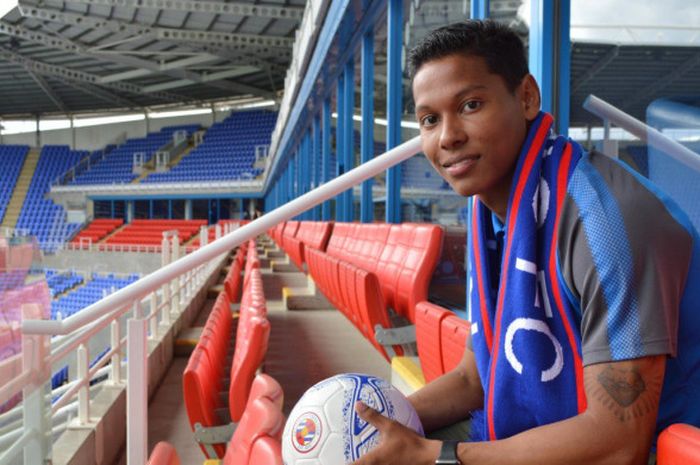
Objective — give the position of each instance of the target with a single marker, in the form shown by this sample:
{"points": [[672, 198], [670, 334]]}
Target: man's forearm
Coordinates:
{"points": [[446, 400]]}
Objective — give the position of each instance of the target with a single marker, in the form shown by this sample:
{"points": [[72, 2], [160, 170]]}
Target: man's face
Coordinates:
{"points": [[472, 126]]}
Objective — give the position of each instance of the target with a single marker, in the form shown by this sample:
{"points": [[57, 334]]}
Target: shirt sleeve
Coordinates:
{"points": [[624, 259]]}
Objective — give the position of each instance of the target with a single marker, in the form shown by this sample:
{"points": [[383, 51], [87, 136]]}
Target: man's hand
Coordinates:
{"points": [[398, 444]]}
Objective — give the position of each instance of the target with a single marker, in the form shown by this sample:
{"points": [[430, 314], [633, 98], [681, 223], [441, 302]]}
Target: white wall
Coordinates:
{"points": [[96, 137]]}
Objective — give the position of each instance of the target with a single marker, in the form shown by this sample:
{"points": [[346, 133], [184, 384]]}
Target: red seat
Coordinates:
{"points": [[267, 451], [261, 419], [679, 444], [429, 319], [164, 454], [453, 339]]}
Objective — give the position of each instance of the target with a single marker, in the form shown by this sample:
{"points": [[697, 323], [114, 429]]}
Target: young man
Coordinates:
{"points": [[583, 284]]}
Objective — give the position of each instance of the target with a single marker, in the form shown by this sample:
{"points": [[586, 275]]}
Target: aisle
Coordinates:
{"points": [[305, 347]]}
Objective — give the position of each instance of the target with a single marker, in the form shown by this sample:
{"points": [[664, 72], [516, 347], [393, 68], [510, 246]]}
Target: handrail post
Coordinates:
{"points": [[175, 293], [137, 392], [153, 316], [116, 362], [84, 391], [165, 260], [34, 354]]}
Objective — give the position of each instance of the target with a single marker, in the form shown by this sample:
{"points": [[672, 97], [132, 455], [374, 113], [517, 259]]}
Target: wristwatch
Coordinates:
{"points": [[448, 454]]}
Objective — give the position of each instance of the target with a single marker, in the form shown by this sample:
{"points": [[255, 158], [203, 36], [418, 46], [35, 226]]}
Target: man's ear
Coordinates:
{"points": [[529, 94]]}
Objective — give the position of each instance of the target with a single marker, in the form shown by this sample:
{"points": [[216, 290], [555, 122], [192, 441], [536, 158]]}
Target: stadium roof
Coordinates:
{"points": [[73, 56]]}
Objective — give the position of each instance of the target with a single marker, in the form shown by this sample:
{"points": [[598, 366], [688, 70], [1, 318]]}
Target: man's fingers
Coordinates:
{"points": [[370, 415]]}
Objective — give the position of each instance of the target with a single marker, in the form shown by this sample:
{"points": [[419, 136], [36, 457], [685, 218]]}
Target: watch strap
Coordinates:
{"points": [[448, 454]]}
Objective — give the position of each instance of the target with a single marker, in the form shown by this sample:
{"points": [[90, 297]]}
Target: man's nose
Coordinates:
{"points": [[452, 134]]}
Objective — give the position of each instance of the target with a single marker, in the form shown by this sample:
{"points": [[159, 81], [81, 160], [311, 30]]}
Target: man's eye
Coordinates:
{"points": [[471, 105], [428, 120]]}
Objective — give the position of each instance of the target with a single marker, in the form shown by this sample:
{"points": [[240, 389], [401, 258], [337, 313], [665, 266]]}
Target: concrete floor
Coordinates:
{"points": [[305, 347]]}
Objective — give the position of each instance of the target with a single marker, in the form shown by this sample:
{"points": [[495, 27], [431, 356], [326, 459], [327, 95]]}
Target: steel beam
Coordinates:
{"points": [[42, 68], [597, 67], [48, 90], [227, 39], [367, 140], [201, 6], [326, 155], [99, 93], [239, 71], [393, 106]]}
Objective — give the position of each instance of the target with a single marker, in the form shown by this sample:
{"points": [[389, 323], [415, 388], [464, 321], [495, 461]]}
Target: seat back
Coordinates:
{"points": [[429, 319], [164, 454], [260, 419], [679, 444], [453, 340]]}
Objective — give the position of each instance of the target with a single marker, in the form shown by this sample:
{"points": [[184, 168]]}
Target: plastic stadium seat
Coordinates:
{"points": [[164, 454], [429, 319], [262, 420], [453, 340], [268, 387], [266, 450], [679, 444]]}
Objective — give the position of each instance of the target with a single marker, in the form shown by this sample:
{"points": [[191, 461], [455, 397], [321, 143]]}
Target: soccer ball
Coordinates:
{"points": [[324, 429]]}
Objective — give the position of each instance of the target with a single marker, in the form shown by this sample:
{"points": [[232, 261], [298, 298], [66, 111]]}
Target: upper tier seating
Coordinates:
{"points": [[150, 232], [227, 152], [12, 158], [97, 230], [117, 167], [43, 218]]}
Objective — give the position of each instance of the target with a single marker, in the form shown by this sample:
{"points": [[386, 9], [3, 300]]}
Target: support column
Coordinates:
{"points": [[129, 211], [326, 156], [340, 143], [393, 110], [37, 136], [316, 157], [188, 209], [549, 58], [479, 9], [72, 132], [367, 141], [348, 134]]}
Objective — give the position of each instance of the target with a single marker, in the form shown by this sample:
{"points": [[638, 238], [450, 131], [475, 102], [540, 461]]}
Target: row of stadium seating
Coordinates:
{"points": [[384, 269], [256, 440], [227, 152], [117, 166], [97, 229], [12, 157], [150, 232], [93, 291], [62, 282], [205, 370]]}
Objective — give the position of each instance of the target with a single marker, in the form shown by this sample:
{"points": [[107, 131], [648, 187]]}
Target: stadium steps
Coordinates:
{"points": [[104, 239], [21, 188], [68, 291], [150, 167]]}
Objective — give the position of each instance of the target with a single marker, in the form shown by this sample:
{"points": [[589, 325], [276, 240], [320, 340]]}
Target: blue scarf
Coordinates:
{"points": [[527, 342]]}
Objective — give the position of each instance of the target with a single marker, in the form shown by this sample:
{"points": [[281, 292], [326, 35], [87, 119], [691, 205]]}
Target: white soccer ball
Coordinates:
{"points": [[324, 429]]}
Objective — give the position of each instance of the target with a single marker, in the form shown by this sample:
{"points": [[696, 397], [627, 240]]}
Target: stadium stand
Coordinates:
{"points": [[117, 166], [60, 282], [91, 292], [97, 230], [150, 232], [43, 218], [12, 157], [227, 152]]}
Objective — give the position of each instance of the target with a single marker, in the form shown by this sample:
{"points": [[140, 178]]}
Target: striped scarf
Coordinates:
{"points": [[527, 342]]}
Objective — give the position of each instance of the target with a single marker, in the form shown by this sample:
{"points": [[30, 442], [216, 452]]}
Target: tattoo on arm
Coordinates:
{"points": [[626, 392]]}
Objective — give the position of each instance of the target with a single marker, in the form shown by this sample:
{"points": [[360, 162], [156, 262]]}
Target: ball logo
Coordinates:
{"points": [[307, 432]]}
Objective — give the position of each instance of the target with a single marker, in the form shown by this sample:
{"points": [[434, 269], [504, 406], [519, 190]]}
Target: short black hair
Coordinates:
{"points": [[497, 44]]}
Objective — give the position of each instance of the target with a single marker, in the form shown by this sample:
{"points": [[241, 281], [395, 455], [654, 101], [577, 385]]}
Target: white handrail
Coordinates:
{"points": [[651, 136], [147, 284]]}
